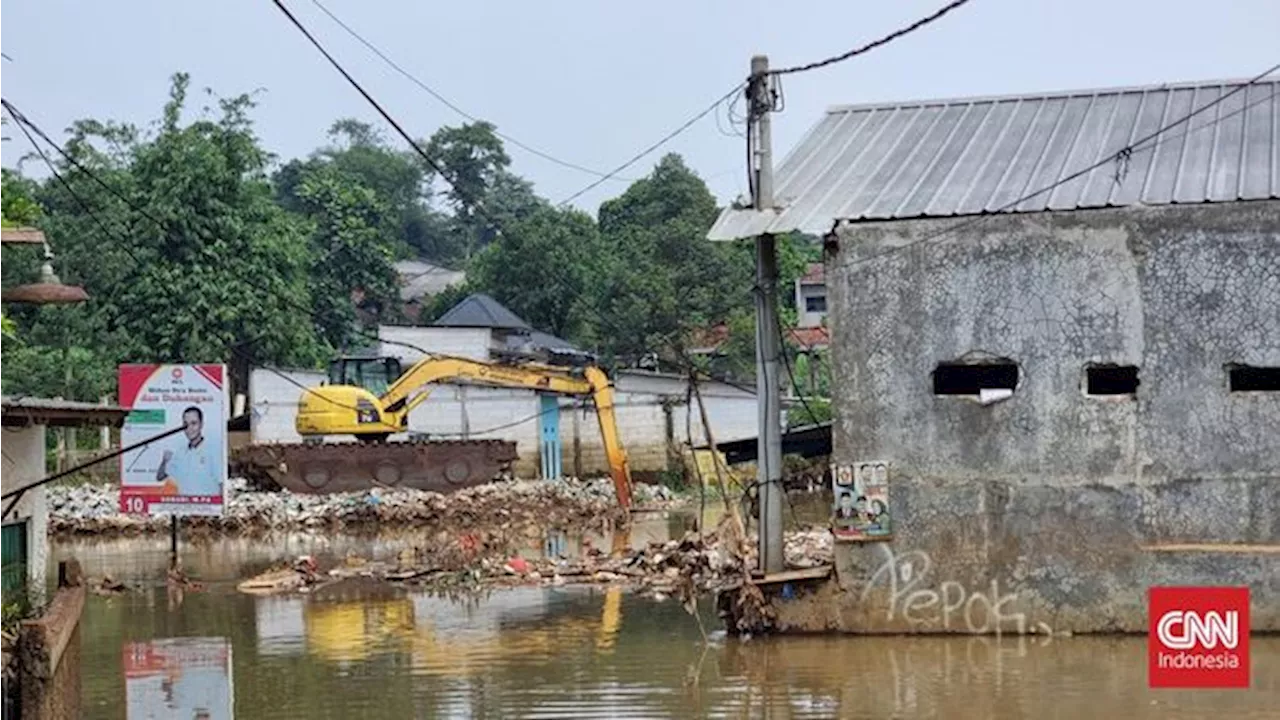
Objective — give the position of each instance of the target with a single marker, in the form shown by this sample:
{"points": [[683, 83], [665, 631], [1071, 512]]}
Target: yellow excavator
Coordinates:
{"points": [[370, 399]]}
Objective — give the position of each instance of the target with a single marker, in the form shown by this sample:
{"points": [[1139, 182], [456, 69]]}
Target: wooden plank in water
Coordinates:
{"points": [[813, 573]]}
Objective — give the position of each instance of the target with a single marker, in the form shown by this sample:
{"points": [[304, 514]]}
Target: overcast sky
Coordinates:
{"points": [[595, 82]]}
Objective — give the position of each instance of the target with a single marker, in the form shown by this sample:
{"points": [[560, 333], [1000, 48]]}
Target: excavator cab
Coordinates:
{"points": [[374, 374]]}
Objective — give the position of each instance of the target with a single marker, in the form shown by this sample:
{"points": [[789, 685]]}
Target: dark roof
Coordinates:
{"points": [[972, 156], [481, 311], [23, 410], [549, 342]]}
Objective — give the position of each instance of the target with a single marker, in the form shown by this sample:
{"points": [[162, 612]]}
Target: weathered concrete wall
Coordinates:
{"points": [[48, 654], [1054, 509], [24, 461]]}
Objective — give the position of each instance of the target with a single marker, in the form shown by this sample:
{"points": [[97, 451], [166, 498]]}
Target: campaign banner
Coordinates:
{"points": [[185, 473], [186, 677]]}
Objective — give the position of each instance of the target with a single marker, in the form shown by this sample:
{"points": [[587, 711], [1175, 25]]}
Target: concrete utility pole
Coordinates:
{"points": [[768, 344]]}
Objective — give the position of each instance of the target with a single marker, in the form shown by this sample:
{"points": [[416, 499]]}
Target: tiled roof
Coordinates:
{"points": [[974, 156], [814, 274], [711, 338]]}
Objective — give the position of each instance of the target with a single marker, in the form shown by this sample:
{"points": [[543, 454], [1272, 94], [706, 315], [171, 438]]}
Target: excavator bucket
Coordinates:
{"points": [[439, 466]]}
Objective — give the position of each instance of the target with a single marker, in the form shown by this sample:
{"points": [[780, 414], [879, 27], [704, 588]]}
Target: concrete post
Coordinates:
{"points": [[768, 343]]}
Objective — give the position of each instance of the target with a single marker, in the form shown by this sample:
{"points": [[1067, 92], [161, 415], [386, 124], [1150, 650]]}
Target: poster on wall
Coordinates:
{"points": [[861, 508], [185, 473], [186, 677]]}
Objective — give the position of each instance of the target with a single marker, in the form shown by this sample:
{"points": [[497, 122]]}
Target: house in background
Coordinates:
{"points": [[420, 281], [811, 297], [554, 435]]}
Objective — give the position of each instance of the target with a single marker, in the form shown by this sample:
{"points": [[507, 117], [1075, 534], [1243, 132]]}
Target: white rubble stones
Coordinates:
{"points": [[95, 509]]}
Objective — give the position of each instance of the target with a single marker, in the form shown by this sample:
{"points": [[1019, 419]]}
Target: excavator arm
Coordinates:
{"points": [[414, 386]]}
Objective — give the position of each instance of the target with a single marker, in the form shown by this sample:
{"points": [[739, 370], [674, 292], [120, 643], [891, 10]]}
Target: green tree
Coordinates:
{"points": [[667, 280], [545, 267], [399, 180], [198, 263], [353, 258], [17, 209], [484, 195]]}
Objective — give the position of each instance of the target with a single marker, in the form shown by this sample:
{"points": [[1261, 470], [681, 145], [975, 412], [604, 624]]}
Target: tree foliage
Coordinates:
{"points": [[205, 249]]}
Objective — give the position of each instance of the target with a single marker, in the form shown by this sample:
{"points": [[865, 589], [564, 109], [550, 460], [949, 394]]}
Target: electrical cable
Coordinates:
{"points": [[445, 101], [786, 361], [873, 44], [663, 141], [22, 123], [163, 227], [1124, 152], [479, 209]]}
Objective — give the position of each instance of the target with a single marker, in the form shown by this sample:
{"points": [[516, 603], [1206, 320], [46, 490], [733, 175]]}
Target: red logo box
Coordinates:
{"points": [[1198, 637]]}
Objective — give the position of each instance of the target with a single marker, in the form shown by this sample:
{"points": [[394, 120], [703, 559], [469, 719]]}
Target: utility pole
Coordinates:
{"points": [[769, 491]]}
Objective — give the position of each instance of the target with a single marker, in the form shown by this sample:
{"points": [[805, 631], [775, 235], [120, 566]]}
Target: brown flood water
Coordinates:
{"points": [[563, 653]]}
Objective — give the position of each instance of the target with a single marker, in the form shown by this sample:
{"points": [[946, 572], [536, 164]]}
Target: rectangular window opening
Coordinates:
{"points": [[973, 378], [1111, 380], [815, 303], [1247, 378]]}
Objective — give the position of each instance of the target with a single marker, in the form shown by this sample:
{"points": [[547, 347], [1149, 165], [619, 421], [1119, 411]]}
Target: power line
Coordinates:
{"points": [[22, 123], [23, 120], [426, 157], [469, 201], [873, 44], [665, 139], [1124, 152], [447, 103]]}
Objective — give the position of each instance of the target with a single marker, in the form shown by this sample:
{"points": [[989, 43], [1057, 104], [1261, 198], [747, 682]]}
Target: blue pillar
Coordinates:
{"points": [[549, 450]]}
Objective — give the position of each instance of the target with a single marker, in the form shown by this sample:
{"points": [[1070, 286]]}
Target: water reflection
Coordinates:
{"points": [[360, 649], [142, 560], [178, 678]]}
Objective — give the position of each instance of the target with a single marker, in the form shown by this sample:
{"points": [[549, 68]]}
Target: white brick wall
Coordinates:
{"points": [[451, 409], [471, 343], [273, 402]]}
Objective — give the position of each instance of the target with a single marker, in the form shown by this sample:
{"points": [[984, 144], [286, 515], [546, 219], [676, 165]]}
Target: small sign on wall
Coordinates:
{"points": [[861, 508]]}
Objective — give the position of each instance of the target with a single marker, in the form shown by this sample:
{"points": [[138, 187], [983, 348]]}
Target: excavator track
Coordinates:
{"points": [[320, 468]]}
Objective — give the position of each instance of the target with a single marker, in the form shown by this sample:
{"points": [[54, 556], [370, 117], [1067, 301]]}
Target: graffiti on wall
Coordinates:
{"points": [[949, 606], [861, 508]]}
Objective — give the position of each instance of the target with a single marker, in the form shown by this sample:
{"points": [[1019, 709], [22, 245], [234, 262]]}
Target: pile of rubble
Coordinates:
{"points": [[95, 509], [692, 565]]}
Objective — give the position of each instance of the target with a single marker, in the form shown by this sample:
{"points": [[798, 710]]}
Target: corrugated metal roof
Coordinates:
{"points": [[24, 409], [972, 156]]}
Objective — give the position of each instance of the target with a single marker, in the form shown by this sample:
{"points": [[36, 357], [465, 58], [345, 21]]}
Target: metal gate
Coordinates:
{"points": [[549, 449], [14, 551], [13, 588]]}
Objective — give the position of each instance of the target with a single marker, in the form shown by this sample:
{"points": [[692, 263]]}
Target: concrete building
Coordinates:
{"points": [[651, 408], [1059, 327], [811, 297], [26, 421]]}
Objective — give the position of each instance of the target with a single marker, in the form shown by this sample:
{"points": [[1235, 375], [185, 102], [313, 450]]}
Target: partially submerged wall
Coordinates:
{"points": [[1054, 509], [48, 655]]}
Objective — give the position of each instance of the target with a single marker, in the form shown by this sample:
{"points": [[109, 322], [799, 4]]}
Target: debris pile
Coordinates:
{"points": [[691, 565], [95, 509]]}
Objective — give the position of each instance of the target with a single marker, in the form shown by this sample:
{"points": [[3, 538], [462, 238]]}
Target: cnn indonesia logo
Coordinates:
{"points": [[1198, 637]]}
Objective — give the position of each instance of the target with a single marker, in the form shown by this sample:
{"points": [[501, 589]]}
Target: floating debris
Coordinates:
{"points": [[677, 568]]}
